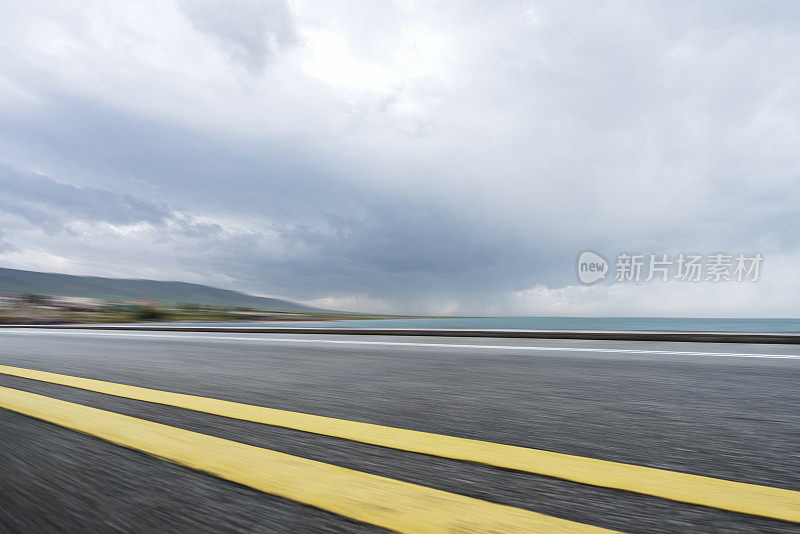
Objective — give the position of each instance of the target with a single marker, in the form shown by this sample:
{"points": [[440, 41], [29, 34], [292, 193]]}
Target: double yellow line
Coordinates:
{"points": [[377, 500]]}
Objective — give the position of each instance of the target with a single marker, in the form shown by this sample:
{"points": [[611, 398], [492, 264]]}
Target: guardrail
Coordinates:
{"points": [[789, 338]]}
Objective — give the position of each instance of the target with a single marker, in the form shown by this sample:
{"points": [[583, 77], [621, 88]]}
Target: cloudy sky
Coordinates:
{"points": [[426, 157]]}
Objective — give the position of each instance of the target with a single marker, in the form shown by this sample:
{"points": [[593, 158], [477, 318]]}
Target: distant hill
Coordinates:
{"points": [[121, 289]]}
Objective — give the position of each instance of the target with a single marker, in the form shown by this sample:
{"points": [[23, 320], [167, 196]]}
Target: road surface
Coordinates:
{"points": [[725, 411]]}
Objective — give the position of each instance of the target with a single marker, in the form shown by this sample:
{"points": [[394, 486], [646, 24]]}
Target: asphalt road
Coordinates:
{"points": [[735, 417]]}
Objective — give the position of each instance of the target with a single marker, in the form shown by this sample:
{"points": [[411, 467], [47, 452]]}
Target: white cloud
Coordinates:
{"points": [[773, 295]]}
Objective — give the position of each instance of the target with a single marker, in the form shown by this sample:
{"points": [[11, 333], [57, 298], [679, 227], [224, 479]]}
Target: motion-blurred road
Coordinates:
{"points": [[676, 406]]}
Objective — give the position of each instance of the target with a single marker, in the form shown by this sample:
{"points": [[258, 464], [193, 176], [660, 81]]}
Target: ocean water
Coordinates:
{"points": [[546, 323]]}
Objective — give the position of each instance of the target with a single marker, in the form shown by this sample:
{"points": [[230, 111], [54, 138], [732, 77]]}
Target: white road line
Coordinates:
{"points": [[201, 336]]}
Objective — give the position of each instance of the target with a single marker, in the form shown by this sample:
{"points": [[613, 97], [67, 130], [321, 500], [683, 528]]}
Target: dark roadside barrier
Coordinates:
{"points": [[789, 338]]}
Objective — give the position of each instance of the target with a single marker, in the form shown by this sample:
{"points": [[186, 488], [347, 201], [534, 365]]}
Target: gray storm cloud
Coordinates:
{"points": [[413, 158], [250, 31]]}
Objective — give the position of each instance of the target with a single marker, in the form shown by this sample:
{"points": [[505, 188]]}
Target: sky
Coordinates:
{"points": [[436, 157]]}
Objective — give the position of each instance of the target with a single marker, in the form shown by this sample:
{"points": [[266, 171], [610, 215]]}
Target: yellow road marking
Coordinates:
{"points": [[740, 497], [380, 501]]}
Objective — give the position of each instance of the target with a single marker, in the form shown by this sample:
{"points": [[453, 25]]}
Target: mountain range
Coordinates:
{"points": [[123, 289]]}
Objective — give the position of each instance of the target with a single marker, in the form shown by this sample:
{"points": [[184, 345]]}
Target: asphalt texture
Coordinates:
{"points": [[729, 417]]}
